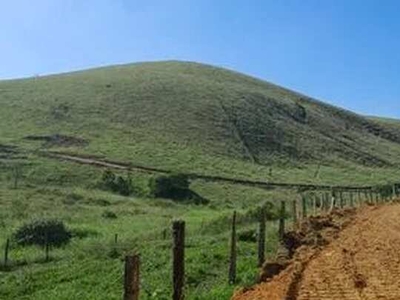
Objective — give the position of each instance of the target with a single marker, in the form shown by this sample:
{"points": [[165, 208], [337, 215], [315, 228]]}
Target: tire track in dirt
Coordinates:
{"points": [[363, 262]]}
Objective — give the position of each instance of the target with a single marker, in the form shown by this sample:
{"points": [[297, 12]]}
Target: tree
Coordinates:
{"points": [[43, 233], [175, 186]]}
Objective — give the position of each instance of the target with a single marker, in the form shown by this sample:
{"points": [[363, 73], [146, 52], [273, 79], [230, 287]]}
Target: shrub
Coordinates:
{"points": [[117, 184], [174, 186], [108, 180], [40, 232], [300, 114], [124, 186]]}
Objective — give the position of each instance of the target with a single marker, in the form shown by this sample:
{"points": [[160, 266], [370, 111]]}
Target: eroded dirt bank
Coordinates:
{"points": [[350, 255]]}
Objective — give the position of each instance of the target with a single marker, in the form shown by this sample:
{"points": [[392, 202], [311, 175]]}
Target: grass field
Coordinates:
{"points": [[184, 117], [88, 268]]}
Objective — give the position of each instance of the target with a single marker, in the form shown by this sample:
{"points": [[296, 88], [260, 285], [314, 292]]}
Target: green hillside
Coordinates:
{"points": [[191, 117], [176, 116]]}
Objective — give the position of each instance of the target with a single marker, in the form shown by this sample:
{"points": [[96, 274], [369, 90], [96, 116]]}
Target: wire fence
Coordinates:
{"points": [[120, 272]]}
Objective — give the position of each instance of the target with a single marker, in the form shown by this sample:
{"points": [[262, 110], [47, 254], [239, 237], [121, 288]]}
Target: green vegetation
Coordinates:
{"points": [[182, 117], [172, 187], [42, 233], [117, 184], [188, 117], [90, 266]]}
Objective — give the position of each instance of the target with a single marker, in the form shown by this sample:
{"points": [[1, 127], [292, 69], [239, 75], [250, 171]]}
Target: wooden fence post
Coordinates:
{"points": [[321, 203], [304, 206], [371, 196], [261, 238], [233, 254], [282, 220], [314, 204], [132, 277], [178, 232], [333, 201], [294, 212], [6, 250], [394, 194], [341, 199], [326, 202], [351, 199]]}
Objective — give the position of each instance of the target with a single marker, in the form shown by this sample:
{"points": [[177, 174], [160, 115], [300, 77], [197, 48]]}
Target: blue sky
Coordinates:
{"points": [[346, 52]]}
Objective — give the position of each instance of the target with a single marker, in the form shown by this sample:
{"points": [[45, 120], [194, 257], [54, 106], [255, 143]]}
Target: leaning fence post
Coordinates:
{"points": [[6, 253], [233, 254], [178, 232], [261, 238], [131, 278]]}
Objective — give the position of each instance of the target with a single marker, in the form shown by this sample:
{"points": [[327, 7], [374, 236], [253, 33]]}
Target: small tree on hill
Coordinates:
{"points": [[43, 233], [174, 186]]}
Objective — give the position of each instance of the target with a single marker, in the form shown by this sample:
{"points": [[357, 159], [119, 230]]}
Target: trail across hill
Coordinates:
{"points": [[363, 262], [106, 163]]}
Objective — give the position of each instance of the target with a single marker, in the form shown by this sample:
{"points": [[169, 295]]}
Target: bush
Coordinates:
{"points": [[39, 232], [300, 114], [108, 180], [117, 184], [174, 186]]}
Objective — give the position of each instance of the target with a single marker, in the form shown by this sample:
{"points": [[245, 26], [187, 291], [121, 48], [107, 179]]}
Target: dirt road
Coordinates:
{"points": [[363, 262], [106, 163]]}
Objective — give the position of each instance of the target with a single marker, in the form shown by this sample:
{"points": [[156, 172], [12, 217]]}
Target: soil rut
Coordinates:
{"points": [[363, 262]]}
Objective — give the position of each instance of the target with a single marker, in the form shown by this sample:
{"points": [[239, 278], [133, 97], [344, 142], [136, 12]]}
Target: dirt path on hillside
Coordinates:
{"points": [[107, 163], [363, 262]]}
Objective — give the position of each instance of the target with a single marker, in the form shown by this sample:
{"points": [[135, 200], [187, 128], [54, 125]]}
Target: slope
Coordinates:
{"points": [[189, 116]]}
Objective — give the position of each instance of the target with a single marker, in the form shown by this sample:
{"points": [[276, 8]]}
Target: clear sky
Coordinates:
{"points": [[346, 52]]}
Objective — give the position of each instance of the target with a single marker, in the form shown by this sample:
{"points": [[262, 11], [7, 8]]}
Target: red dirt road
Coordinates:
{"points": [[363, 262]]}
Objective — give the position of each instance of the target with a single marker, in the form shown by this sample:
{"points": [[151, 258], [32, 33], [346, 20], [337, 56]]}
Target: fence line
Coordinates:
{"points": [[317, 202]]}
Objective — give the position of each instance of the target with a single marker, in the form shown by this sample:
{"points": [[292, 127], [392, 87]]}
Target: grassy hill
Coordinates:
{"points": [[192, 117], [172, 115]]}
